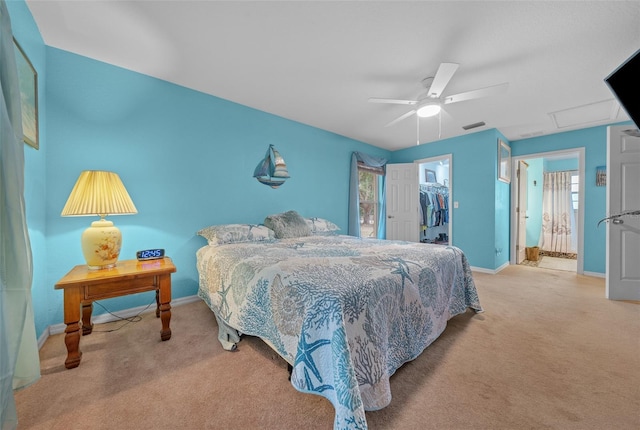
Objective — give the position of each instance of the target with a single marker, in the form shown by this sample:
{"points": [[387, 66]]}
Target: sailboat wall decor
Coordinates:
{"points": [[272, 170]]}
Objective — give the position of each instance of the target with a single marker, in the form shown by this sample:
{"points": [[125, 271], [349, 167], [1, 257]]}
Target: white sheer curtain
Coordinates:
{"points": [[19, 361], [558, 219]]}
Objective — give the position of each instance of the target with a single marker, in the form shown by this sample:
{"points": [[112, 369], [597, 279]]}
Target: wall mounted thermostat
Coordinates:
{"points": [[150, 254]]}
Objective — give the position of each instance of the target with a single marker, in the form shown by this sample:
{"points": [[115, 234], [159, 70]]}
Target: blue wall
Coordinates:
{"points": [[594, 140], [482, 229], [481, 221], [186, 158], [560, 165]]}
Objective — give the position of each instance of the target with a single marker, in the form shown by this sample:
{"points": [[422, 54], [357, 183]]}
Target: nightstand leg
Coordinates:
{"points": [[72, 340], [87, 325], [164, 289], [72, 320]]}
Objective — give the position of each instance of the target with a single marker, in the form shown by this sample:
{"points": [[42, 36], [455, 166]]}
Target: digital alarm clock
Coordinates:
{"points": [[150, 254]]}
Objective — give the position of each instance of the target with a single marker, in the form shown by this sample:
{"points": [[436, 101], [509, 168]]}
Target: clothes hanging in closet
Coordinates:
{"points": [[434, 205]]}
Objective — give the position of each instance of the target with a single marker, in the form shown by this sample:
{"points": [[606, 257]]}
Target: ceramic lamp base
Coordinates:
{"points": [[101, 244]]}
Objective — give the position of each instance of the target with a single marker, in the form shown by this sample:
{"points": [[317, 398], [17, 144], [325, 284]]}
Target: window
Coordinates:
{"points": [[575, 186], [369, 203]]}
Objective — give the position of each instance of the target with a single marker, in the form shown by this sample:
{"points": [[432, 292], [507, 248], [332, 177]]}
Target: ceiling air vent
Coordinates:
{"points": [[474, 125]]}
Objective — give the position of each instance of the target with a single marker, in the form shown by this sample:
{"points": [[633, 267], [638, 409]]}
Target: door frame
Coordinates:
{"points": [[451, 206], [521, 210], [580, 152]]}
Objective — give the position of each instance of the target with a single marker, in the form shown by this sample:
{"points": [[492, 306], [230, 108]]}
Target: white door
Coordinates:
{"points": [[521, 211], [623, 195], [402, 202]]}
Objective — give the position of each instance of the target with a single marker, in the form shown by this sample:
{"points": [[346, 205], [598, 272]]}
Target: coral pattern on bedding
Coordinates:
{"points": [[345, 312]]}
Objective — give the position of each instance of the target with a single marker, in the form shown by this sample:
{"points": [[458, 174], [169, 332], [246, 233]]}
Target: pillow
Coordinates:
{"points": [[287, 224], [236, 233], [320, 226]]}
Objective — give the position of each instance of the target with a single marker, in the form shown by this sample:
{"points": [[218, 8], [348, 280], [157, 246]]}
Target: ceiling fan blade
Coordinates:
{"points": [[476, 94], [393, 101], [443, 76], [400, 118]]}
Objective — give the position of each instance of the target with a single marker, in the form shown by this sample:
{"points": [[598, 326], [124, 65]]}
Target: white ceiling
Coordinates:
{"points": [[317, 62]]}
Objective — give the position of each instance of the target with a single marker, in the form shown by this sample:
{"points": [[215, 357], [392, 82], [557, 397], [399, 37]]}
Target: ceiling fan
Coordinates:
{"points": [[431, 102]]}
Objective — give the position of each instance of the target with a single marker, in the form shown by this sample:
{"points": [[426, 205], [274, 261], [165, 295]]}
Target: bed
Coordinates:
{"points": [[344, 312]]}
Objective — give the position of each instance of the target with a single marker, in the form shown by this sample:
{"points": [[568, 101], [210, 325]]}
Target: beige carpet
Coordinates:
{"points": [[550, 352]]}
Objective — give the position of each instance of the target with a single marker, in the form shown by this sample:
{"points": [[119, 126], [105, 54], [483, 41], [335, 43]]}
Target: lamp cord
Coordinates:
{"points": [[135, 318]]}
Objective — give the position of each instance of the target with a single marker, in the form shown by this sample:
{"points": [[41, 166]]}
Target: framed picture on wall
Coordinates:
{"points": [[28, 82], [430, 175], [504, 162]]}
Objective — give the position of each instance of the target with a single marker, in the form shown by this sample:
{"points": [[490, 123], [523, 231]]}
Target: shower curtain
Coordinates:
{"points": [[558, 219]]}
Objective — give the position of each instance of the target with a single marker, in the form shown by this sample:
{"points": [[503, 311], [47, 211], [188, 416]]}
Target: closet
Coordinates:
{"points": [[434, 214]]}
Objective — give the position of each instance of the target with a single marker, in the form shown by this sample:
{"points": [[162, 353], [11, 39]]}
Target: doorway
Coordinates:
{"points": [[404, 211], [569, 161], [434, 186]]}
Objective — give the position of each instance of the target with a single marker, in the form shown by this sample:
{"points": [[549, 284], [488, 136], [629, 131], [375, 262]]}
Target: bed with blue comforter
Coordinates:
{"points": [[344, 312]]}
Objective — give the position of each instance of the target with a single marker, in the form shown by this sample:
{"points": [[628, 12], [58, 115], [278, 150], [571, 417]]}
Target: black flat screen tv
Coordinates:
{"points": [[624, 82]]}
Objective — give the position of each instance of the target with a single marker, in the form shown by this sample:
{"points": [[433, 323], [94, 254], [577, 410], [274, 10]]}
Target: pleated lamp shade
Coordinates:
{"points": [[100, 193]]}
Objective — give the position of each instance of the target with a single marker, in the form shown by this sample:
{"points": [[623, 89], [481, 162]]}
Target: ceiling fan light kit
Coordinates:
{"points": [[428, 110]]}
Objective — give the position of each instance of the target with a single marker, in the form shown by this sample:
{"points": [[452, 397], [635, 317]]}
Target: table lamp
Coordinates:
{"points": [[100, 193]]}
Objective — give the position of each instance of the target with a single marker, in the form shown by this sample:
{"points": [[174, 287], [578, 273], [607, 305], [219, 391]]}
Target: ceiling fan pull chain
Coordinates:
{"points": [[417, 130]]}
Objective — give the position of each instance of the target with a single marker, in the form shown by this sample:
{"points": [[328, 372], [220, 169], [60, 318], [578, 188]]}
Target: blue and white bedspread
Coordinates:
{"points": [[346, 313]]}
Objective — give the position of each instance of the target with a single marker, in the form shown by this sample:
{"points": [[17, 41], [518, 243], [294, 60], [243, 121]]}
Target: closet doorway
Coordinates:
{"points": [[558, 253], [435, 214]]}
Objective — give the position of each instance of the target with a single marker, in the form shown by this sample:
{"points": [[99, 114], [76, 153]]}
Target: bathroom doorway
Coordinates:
{"points": [[542, 248]]}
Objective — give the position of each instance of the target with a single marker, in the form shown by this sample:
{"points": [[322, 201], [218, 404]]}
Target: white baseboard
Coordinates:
{"points": [[107, 317], [490, 271], [595, 274], [44, 336]]}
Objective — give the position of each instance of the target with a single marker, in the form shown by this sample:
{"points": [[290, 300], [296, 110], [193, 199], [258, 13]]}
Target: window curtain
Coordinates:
{"points": [[19, 361], [354, 195], [558, 219]]}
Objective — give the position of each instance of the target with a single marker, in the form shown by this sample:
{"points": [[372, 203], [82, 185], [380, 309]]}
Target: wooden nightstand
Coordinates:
{"points": [[82, 286]]}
